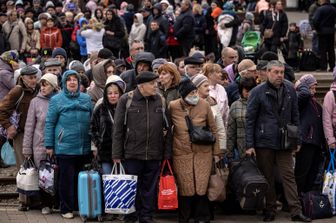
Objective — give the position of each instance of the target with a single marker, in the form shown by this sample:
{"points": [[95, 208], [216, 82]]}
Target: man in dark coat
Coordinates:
{"points": [[271, 106], [184, 27]]}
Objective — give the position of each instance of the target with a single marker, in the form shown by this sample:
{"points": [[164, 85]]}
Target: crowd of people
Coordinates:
{"points": [[115, 81]]}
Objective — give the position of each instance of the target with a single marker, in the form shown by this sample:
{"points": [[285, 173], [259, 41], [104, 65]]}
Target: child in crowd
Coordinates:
{"points": [[293, 45]]}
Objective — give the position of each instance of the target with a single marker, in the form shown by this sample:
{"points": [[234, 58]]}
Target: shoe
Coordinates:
{"points": [[23, 207], [68, 215], [269, 216], [301, 218], [46, 210]]}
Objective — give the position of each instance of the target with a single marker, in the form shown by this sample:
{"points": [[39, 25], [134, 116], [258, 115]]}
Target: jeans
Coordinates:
{"points": [[107, 168]]}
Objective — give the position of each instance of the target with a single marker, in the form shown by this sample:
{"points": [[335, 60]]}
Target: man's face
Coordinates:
{"points": [[56, 70], [230, 57], [141, 66], [193, 69], [61, 59], [3, 19], [136, 48], [149, 88], [13, 16], [154, 26], [59, 9], [276, 75], [29, 15], [249, 72], [51, 11], [184, 6], [30, 80], [278, 6]]}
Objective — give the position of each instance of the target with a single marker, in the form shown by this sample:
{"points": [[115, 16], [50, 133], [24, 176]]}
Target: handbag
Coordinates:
{"points": [[199, 135], [167, 197], [218, 182], [119, 191], [27, 179], [329, 182], [268, 33], [48, 172], [8, 154], [316, 205]]}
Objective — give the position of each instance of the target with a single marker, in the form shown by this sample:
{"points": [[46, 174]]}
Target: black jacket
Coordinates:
{"points": [[143, 136], [311, 125], [324, 19], [184, 27], [156, 44], [262, 127], [280, 26]]}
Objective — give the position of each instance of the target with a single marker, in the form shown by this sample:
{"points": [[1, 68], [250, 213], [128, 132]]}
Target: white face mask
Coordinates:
{"points": [[192, 100]]}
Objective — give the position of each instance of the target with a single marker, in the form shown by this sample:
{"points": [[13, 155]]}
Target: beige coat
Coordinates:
{"points": [[192, 163]]}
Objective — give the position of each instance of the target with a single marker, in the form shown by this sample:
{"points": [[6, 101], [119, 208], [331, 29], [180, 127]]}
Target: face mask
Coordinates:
{"points": [[192, 100]]}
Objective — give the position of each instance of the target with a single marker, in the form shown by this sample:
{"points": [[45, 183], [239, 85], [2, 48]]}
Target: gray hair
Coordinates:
{"points": [[274, 63]]}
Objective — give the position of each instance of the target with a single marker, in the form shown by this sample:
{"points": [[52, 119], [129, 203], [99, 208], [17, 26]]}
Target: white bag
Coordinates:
{"points": [[329, 182], [119, 191], [27, 179]]}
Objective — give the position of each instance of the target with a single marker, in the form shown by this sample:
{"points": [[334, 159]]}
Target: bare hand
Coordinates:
{"points": [[50, 152], [332, 146], [250, 152], [117, 160], [11, 132]]}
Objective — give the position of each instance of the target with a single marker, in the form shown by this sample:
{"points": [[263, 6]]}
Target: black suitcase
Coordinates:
{"points": [[316, 205], [249, 185]]}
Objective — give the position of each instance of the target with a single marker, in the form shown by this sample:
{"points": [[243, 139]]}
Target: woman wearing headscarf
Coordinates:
{"points": [[33, 140], [192, 162]]}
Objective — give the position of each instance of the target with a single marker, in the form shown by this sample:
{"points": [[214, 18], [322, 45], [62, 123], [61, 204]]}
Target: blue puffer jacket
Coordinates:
{"points": [[81, 40], [68, 121]]}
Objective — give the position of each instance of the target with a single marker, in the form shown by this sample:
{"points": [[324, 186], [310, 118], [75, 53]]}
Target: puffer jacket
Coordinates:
{"points": [[184, 27], [80, 39], [142, 137], [99, 77], [6, 78], [68, 121], [262, 127], [329, 115], [130, 75], [138, 31], [51, 38]]}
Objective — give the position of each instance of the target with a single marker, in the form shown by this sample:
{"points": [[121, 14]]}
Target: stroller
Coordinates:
{"points": [[251, 43]]}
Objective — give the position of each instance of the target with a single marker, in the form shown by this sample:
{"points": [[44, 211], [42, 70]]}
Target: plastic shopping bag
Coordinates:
{"points": [[48, 172], [8, 154], [329, 182], [167, 199], [27, 180], [119, 191]]}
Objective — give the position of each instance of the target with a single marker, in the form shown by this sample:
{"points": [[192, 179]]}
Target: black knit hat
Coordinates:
{"points": [[185, 87], [105, 53]]}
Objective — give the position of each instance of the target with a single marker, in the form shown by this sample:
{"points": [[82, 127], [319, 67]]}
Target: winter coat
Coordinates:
{"points": [[33, 140], [81, 40], [33, 41], [138, 31], [294, 44], [6, 78], [221, 129], [224, 33], [324, 19], [279, 22], [99, 77], [94, 39], [68, 122], [219, 94], [329, 115], [232, 91], [101, 128], [236, 127], [67, 31], [262, 127], [311, 125], [192, 162], [51, 38], [117, 27], [156, 44], [184, 27], [18, 38], [9, 104], [170, 94], [161, 19], [142, 137]]}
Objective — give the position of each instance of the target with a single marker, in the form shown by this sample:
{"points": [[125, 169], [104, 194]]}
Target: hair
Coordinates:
{"points": [[136, 41], [170, 68], [247, 83], [177, 61], [84, 80], [155, 21], [210, 68], [108, 64], [197, 8], [274, 63]]}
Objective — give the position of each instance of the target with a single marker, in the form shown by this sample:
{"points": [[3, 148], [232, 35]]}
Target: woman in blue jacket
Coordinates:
{"points": [[67, 135]]}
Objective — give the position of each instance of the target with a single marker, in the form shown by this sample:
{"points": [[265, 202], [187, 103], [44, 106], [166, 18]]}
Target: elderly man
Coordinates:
{"points": [[271, 108], [138, 141], [136, 47], [228, 56]]}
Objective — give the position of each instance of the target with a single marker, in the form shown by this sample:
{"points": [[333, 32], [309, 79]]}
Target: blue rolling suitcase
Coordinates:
{"points": [[89, 195]]}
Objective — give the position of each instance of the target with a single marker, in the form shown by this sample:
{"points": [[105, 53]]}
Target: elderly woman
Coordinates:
{"points": [[169, 79], [67, 135], [33, 140], [192, 162]]}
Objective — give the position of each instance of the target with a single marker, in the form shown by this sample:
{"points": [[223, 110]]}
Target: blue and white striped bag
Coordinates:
{"points": [[119, 191]]}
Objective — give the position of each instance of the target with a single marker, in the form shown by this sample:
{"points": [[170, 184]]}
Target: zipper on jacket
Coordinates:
{"points": [[147, 134]]}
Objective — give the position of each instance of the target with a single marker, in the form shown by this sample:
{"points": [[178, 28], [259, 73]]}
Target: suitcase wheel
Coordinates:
{"points": [[84, 218], [100, 218]]}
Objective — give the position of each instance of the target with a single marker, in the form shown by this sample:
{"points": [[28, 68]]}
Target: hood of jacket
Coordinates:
{"points": [[139, 16], [99, 75], [158, 6], [81, 21], [145, 57], [66, 74], [116, 80]]}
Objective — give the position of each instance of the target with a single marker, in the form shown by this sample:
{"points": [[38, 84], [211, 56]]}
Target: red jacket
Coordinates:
{"points": [[51, 38]]}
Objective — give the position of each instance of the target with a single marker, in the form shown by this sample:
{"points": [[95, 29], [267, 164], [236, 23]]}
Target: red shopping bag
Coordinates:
{"points": [[167, 199]]}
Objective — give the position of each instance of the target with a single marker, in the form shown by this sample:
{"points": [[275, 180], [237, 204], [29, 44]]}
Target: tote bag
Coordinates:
{"points": [[329, 182], [167, 199], [27, 180]]}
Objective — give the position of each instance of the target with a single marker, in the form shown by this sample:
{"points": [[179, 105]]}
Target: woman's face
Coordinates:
{"points": [[245, 93], [109, 71], [99, 14], [46, 88], [30, 81], [30, 26], [165, 78], [216, 76], [109, 15], [313, 89], [50, 23], [113, 94], [204, 89], [72, 83]]}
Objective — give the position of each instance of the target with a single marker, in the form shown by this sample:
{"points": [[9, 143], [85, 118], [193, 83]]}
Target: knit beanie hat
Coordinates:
{"points": [[308, 79], [51, 79], [185, 87], [198, 80], [105, 53], [158, 62], [76, 65], [59, 51]]}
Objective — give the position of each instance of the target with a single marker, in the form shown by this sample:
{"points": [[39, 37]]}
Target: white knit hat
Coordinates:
{"points": [[51, 79]]}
